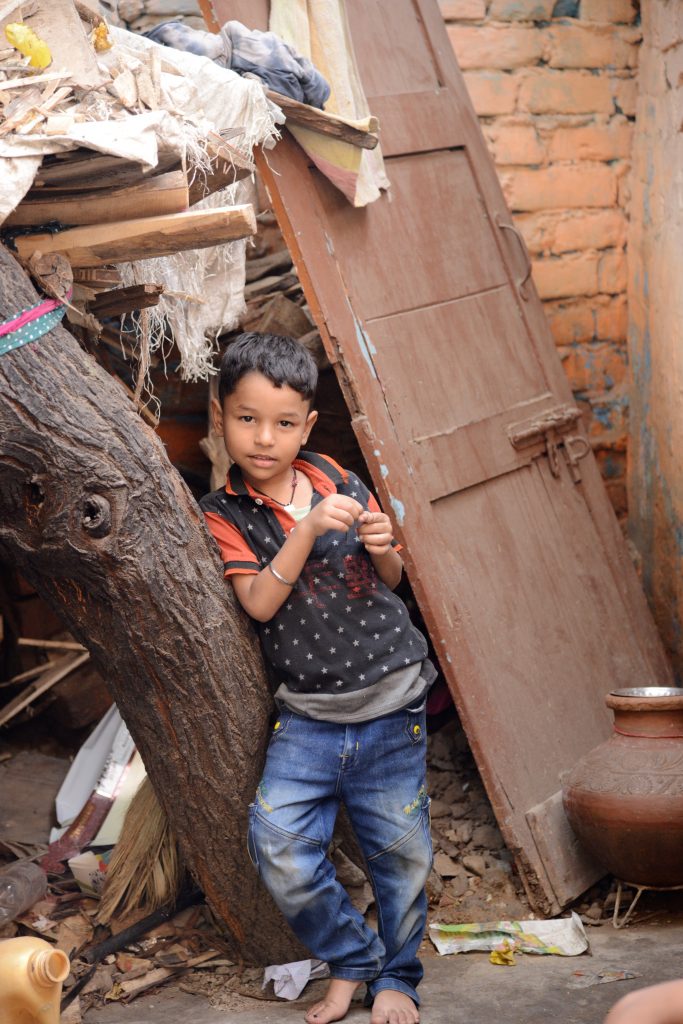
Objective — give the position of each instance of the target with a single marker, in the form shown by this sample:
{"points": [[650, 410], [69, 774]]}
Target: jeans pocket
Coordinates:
{"points": [[416, 725], [281, 724]]}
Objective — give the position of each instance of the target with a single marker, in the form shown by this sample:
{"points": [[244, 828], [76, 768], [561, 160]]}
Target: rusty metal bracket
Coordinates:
{"points": [[549, 430]]}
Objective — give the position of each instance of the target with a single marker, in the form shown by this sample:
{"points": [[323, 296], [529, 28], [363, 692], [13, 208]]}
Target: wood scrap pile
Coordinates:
{"points": [[87, 211]]}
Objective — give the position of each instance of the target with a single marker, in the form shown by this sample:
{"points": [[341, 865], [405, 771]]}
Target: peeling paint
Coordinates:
{"points": [[384, 470], [366, 347], [399, 510]]}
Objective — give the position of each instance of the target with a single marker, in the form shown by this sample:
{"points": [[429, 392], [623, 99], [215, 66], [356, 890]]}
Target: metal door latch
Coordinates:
{"points": [[551, 430]]}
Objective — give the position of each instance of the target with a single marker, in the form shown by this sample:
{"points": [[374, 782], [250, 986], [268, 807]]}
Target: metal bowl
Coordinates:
{"points": [[649, 691]]}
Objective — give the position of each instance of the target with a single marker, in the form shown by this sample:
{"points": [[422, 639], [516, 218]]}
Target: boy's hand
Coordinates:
{"points": [[375, 532], [335, 512]]}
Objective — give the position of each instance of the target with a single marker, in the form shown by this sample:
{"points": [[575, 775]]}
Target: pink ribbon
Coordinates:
{"points": [[9, 326]]}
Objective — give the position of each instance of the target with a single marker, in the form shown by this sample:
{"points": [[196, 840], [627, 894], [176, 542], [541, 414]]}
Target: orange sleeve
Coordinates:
{"points": [[373, 506], [238, 558]]}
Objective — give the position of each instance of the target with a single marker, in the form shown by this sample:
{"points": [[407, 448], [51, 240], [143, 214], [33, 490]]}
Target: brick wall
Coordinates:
{"points": [[554, 85]]}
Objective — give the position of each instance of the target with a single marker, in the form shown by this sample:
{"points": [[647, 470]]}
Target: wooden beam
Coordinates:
{"points": [[60, 668], [165, 193], [124, 300], [357, 133], [142, 239], [228, 165]]}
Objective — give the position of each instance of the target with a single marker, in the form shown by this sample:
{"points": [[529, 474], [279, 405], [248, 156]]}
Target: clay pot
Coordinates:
{"points": [[624, 799]]}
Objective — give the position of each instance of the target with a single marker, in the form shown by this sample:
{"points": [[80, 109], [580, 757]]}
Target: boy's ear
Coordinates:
{"points": [[217, 416], [310, 423]]}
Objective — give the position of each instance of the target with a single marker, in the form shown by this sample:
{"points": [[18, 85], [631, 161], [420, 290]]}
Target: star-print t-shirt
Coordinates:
{"points": [[341, 628]]}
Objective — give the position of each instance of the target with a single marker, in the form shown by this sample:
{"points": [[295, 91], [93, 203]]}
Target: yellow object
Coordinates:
{"points": [[99, 37], [31, 976], [27, 42], [504, 957]]}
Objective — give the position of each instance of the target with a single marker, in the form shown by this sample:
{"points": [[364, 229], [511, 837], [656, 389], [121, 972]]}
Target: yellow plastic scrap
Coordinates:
{"points": [[99, 37], [504, 957], [29, 44]]}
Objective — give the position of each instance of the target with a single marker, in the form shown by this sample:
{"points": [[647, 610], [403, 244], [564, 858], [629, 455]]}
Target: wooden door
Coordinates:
{"points": [[468, 426]]}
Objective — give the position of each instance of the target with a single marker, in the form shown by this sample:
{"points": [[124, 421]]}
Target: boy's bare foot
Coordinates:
{"points": [[336, 1003], [391, 1007]]}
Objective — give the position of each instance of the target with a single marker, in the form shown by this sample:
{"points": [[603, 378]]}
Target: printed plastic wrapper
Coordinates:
{"points": [[562, 937]]}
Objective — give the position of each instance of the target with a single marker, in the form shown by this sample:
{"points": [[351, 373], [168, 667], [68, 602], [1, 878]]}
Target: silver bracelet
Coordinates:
{"points": [[279, 577]]}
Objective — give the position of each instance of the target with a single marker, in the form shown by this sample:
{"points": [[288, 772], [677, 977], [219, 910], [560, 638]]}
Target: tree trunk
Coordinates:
{"points": [[97, 520]]}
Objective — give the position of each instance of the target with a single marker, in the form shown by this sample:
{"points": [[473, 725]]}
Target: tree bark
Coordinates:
{"points": [[94, 516]]}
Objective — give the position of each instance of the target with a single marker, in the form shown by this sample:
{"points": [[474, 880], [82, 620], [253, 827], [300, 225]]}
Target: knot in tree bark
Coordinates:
{"points": [[96, 515]]}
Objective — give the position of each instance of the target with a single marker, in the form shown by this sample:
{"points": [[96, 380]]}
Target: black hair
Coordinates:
{"points": [[282, 360]]}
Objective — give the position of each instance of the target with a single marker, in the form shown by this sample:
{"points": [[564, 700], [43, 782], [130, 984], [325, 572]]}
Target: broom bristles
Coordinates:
{"points": [[145, 870]]}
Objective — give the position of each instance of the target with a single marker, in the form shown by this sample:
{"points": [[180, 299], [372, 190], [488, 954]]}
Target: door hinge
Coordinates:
{"points": [[550, 430]]}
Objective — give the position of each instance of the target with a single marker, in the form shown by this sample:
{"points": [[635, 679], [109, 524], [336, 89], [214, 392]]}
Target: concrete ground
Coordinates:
{"points": [[468, 988]]}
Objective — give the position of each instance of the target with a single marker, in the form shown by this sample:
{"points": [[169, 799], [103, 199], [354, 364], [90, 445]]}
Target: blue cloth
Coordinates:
{"points": [[378, 770], [248, 51], [33, 330]]}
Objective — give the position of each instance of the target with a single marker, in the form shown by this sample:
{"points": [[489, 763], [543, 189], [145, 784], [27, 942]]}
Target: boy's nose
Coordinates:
{"points": [[264, 436]]}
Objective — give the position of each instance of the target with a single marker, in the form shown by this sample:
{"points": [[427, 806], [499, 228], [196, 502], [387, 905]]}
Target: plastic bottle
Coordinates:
{"points": [[21, 885], [31, 976]]}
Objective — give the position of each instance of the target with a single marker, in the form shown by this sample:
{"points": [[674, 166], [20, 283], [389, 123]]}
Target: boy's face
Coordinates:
{"points": [[263, 427]]}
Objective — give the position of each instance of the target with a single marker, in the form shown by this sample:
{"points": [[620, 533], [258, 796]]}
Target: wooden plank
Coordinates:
{"points": [[29, 79], [163, 194], [61, 668], [83, 169], [125, 300], [569, 867], [357, 133], [141, 239], [58, 23]]}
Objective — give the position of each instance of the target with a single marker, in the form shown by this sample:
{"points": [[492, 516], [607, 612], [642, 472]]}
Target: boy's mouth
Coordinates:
{"points": [[262, 460]]}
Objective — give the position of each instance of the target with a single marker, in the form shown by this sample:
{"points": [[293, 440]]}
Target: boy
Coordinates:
{"points": [[312, 560]]}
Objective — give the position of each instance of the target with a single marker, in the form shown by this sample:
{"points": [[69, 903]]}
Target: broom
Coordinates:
{"points": [[145, 871]]}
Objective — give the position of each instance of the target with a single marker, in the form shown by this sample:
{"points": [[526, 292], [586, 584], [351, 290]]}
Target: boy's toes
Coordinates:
{"points": [[391, 1007]]}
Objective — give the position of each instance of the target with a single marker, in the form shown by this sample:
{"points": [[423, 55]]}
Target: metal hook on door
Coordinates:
{"points": [[575, 448], [521, 284]]}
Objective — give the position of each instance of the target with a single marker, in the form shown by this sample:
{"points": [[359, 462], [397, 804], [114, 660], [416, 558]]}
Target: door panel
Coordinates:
{"points": [[467, 424]]}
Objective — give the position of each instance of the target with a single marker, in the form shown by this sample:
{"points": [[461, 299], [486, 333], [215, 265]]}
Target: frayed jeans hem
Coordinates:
{"points": [[359, 974], [393, 984]]}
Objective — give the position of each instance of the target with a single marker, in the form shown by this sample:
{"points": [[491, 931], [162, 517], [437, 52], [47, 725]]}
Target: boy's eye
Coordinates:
{"points": [[286, 423], [247, 419]]}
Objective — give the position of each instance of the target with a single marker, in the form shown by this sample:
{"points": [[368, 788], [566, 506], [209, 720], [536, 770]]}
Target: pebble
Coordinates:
{"points": [[487, 837], [446, 866], [475, 864], [439, 809]]}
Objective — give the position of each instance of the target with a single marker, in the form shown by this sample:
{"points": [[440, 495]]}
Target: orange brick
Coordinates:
{"points": [[595, 368], [463, 10], [521, 10], [558, 231], [493, 47], [592, 46], [603, 140], [626, 95], [611, 11], [591, 229], [570, 322], [612, 272], [611, 320], [563, 185], [492, 92], [514, 143], [566, 92], [566, 276]]}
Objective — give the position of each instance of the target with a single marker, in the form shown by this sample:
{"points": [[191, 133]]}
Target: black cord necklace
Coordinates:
{"points": [[287, 505]]}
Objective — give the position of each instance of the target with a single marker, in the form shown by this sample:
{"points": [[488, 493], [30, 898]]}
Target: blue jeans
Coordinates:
{"points": [[377, 769]]}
